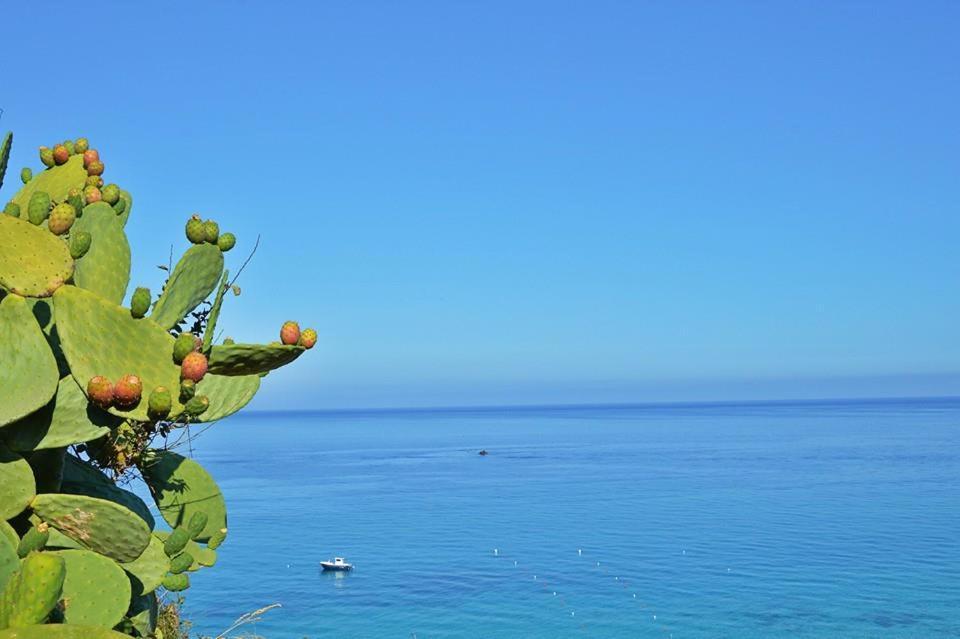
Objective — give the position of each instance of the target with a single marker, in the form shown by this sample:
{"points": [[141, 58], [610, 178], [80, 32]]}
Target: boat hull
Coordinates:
{"points": [[331, 567]]}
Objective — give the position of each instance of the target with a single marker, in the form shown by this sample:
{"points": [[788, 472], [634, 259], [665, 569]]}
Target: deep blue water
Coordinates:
{"points": [[763, 520]]}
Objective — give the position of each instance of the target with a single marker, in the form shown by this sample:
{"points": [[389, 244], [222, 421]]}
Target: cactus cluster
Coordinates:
{"points": [[92, 392]]}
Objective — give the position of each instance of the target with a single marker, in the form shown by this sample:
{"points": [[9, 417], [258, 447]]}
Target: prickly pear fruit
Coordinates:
{"points": [[62, 218], [100, 391], [90, 156], [188, 388], [176, 541], [140, 302], [290, 333], [181, 563], [81, 145], [198, 521], [93, 180], [60, 154], [216, 539], [26, 174], [176, 583], [308, 338], [120, 206], [46, 156], [95, 168], [12, 209], [196, 405], [91, 194], [34, 539], [79, 244], [160, 402], [31, 594], [226, 241], [184, 344], [228, 341], [193, 366], [110, 193], [39, 207], [211, 231], [195, 230], [127, 392], [71, 148], [75, 199]]}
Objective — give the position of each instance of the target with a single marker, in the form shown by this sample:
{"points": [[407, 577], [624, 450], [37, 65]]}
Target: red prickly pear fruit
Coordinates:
{"points": [[95, 168], [100, 391], [184, 344], [60, 154], [290, 333], [308, 338], [62, 218], [194, 366], [46, 156], [90, 155], [91, 194], [93, 180], [195, 230], [127, 392]]}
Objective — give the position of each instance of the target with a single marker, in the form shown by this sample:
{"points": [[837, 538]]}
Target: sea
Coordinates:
{"points": [[814, 519]]}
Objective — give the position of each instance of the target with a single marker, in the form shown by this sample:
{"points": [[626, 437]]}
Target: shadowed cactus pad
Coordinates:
{"points": [[105, 269], [33, 262], [79, 478], [96, 590], [193, 279], [250, 359], [99, 525], [181, 487], [29, 374], [17, 485]]}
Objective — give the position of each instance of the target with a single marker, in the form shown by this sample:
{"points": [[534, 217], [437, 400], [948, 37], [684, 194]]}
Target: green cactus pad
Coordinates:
{"points": [[119, 345], [250, 359], [227, 394], [68, 419], [9, 561], [126, 203], [33, 261], [17, 485], [99, 525], [79, 478], [96, 591], [5, 154], [59, 631], [31, 594], [148, 570], [181, 487], [105, 269], [193, 279], [55, 181], [29, 375], [9, 534]]}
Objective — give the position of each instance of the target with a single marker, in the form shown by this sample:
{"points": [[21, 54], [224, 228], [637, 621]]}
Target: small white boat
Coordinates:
{"points": [[339, 564]]}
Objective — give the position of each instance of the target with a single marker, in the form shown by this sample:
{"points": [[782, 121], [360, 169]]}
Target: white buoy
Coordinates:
{"points": [[571, 613], [554, 593], [534, 577], [598, 563], [684, 552], [496, 551], [514, 562], [654, 617], [579, 551], [634, 595]]}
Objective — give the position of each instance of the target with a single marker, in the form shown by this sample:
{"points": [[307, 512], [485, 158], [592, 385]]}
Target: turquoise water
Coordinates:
{"points": [[763, 520]]}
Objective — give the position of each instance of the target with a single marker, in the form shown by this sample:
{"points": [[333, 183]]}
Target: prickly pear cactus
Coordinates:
{"points": [[94, 395]]}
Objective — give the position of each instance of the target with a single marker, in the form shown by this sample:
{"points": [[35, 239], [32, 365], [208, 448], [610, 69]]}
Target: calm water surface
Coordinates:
{"points": [[775, 520]]}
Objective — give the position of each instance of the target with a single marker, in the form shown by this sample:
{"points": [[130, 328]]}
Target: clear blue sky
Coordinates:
{"points": [[480, 202]]}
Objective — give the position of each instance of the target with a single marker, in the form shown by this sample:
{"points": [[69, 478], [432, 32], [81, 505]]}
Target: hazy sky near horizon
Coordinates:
{"points": [[536, 202]]}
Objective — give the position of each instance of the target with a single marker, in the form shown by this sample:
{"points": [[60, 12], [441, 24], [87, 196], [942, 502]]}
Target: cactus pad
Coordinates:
{"points": [[193, 279], [17, 485], [105, 269], [119, 345], [143, 614], [99, 525], [250, 359], [227, 394], [59, 631], [5, 154], [125, 205], [181, 487], [66, 420], [29, 375], [33, 261], [9, 561], [148, 570], [9, 534], [96, 591], [32, 592], [56, 182], [79, 478]]}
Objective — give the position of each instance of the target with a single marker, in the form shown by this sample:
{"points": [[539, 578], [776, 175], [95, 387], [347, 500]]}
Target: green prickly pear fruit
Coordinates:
{"points": [[12, 209], [93, 180], [38, 208], [193, 366], [120, 206], [226, 241], [79, 244], [236, 290], [100, 391], [211, 231], [196, 405], [198, 521], [127, 392], [289, 333], [160, 402], [228, 341], [184, 344], [140, 302], [81, 145], [110, 193], [75, 199], [176, 583], [34, 539], [91, 194], [308, 338], [216, 539], [26, 174], [31, 594], [46, 156], [195, 230], [181, 563], [62, 218], [176, 541], [95, 168], [60, 154], [71, 149], [90, 156], [188, 389]]}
